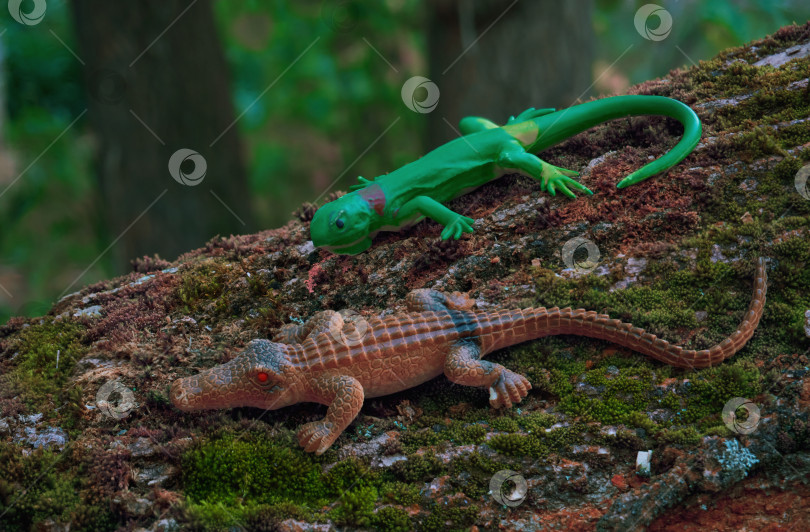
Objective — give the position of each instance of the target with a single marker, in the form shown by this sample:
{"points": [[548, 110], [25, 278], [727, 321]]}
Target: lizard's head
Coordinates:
{"points": [[261, 376], [343, 226]]}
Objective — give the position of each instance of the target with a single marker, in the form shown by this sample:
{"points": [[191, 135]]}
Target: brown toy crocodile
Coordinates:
{"points": [[329, 360]]}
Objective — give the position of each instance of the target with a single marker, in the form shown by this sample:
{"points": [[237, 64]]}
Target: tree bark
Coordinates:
{"points": [[496, 58], [158, 82]]}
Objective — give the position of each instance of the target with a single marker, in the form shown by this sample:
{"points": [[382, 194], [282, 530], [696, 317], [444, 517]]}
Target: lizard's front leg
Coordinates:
{"points": [[344, 395], [463, 365], [454, 223]]}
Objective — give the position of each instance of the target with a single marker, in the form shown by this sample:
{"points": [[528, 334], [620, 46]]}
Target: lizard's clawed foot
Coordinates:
{"points": [[508, 389], [317, 436], [459, 225], [556, 178]]}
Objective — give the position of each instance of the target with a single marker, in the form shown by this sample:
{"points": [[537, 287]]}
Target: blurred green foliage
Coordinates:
{"points": [[316, 85], [699, 30]]}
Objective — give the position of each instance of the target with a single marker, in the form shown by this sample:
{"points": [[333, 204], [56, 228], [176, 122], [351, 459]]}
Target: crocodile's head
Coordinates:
{"points": [[343, 226], [261, 376]]}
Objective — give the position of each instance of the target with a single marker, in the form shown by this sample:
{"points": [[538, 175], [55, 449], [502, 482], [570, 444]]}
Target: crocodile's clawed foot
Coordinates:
{"points": [[317, 436], [459, 225], [556, 178], [508, 389], [459, 301]]}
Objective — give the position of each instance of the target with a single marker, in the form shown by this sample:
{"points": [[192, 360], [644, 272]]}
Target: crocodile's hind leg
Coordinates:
{"points": [[324, 321], [425, 299], [463, 365], [344, 395]]}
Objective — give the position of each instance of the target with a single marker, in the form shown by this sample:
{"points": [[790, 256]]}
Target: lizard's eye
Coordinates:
{"points": [[339, 223], [263, 377]]}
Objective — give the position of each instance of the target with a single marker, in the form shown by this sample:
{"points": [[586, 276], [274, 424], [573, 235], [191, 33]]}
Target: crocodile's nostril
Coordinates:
{"points": [[177, 394]]}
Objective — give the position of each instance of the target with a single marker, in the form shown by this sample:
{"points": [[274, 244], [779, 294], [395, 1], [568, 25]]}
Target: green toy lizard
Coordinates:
{"points": [[485, 152]]}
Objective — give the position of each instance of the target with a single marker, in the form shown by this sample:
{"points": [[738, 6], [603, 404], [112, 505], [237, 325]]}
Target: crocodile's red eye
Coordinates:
{"points": [[262, 376]]}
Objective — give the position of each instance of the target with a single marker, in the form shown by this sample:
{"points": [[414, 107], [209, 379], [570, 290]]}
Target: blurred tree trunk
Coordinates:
{"points": [[158, 82], [539, 53]]}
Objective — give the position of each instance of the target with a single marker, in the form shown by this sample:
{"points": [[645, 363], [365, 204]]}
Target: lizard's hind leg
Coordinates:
{"points": [[474, 124], [463, 365]]}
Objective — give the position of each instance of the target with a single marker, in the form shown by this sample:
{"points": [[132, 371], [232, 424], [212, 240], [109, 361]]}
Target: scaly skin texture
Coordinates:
{"points": [[485, 152], [338, 363]]}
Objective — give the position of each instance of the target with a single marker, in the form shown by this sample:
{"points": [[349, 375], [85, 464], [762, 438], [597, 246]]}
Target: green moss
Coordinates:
{"points": [[504, 424], [257, 479], [38, 376], [449, 517], [518, 445], [712, 388], [392, 519], [355, 507], [417, 468], [251, 468], [623, 439], [536, 421], [204, 287], [684, 436], [471, 473], [427, 437], [400, 493], [215, 515], [471, 434], [41, 486]]}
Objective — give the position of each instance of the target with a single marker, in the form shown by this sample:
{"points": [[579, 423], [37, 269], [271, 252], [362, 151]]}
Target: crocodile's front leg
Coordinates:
{"points": [[463, 365], [344, 395], [454, 223]]}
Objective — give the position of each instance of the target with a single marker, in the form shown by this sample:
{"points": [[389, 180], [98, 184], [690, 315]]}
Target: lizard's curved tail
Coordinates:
{"points": [[558, 126], [508, 327]]}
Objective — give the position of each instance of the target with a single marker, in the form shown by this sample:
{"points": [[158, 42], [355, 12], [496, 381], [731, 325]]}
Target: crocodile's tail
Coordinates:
{"points": [[508, 327], [558, 126]]}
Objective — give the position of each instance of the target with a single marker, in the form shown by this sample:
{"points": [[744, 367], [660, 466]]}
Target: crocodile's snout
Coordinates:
{"points": [[254, 378], [185, 394]]}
